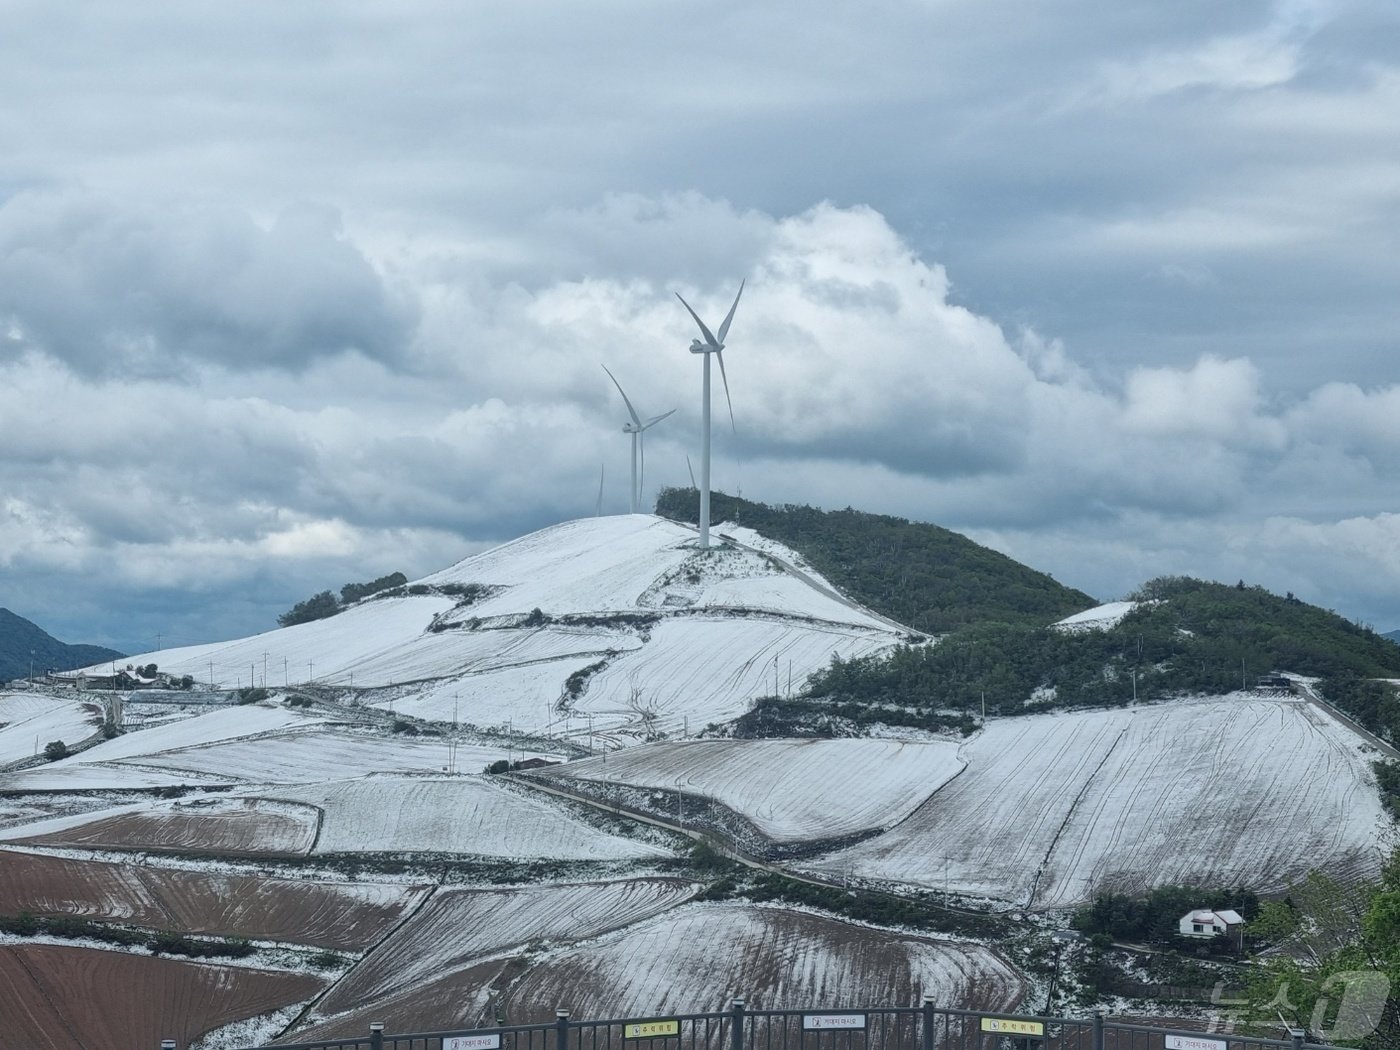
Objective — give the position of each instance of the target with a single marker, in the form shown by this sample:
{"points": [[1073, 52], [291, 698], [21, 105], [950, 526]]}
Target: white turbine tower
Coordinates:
{"points": [[712, 345], [636, 428]]}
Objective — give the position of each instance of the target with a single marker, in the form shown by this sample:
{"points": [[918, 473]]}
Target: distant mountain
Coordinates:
{"points": [[922, 575], [19, 639], [1394, 636]]}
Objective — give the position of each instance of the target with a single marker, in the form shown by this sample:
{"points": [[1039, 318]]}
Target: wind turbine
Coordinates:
{"points": [[636, 428], [712, 345]]}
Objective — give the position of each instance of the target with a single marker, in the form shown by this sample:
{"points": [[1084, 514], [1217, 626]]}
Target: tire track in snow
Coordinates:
{"points": [[1069, 814]]}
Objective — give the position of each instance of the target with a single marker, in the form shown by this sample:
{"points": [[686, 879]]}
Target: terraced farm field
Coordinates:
{"points": [[315, 755], [28, 721], [340, 916], [223, 825], [58, 998], [791, 790], [458, 929], [464, 814], [705, 668], [1053, 808], [698, 956]]}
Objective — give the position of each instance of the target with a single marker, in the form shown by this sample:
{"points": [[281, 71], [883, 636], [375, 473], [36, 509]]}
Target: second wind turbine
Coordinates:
{"points": [[636, 428], [712, 345]]}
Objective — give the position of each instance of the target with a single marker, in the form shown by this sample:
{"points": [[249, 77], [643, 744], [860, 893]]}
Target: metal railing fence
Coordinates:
{"points": [[926, 1027]]}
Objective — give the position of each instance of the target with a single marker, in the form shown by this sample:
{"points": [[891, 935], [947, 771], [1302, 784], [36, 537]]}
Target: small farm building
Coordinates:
{"points": [[1205, 923]]}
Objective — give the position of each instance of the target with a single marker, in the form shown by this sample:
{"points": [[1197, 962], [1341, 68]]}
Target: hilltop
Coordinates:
{"points": [[612, 627], [20, 638], [928, 577]]}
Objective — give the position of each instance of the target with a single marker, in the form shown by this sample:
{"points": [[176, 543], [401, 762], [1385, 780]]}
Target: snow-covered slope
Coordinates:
{"points": [[790, 789], [661, 635], [1054, 808]]}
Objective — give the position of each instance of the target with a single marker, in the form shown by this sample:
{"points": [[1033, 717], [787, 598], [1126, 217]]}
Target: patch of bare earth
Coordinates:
{"points": [[339, 916], [59, 998], [252, 826]]}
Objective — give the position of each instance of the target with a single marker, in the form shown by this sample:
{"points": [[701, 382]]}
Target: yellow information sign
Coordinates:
{"points": [[1011, 1026], [651, 1029]]}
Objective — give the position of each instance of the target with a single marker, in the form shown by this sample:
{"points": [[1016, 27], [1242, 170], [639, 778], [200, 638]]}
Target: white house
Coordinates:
{"points": [[1205, 923]]}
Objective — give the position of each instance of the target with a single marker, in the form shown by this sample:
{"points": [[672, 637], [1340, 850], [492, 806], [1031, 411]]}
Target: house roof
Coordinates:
{"points": [[1225, 917]]}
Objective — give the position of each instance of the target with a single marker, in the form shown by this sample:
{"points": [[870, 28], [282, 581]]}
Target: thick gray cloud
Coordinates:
{"points": [[291, 296], [122, 289]]}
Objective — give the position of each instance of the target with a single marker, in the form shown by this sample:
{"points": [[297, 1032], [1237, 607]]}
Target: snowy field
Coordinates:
{"points": [[459, 928], [704, 669], [374, 635], [464, 814], [790, 789], [698, 956], [28, 721], [1053, 808], [631, 561], [316, 755]]}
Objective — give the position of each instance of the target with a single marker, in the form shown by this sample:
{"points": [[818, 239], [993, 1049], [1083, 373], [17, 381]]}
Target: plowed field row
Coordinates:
{"points": [[59, 998], [338, 916]]}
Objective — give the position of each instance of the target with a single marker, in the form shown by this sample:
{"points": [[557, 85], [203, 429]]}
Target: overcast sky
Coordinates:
{"points": [[298, 294]]}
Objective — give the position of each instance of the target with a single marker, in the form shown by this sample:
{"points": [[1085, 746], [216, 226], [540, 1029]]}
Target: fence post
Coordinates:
{"points": [[736, 1024], [926, 1024], [1098, 1030], [167, 1044], [376, 1035], [561, 1022], [1297, 1035]]}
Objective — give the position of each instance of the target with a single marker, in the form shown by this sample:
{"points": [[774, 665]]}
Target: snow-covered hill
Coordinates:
{"points": [[655, 635]]}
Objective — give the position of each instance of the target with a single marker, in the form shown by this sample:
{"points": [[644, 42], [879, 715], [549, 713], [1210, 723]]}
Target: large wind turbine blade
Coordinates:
{"points": [[630, 410], [692, 471], [657, 419], [709, 336], [598, 510], [724, 328], [720, 357]]}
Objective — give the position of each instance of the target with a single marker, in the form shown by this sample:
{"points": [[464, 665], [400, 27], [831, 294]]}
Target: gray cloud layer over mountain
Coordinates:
{"points": [[290, 298]]}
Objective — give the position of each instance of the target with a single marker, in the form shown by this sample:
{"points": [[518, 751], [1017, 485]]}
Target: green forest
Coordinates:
{"points": [[1185, 636]]}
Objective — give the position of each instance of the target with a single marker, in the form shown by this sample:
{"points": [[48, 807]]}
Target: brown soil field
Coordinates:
{"points": [[460, 927], [339, 916], [251, 826], [58, 998]]}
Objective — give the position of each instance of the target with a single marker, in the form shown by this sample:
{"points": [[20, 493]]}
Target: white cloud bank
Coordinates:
{"points": [[204, 418]]}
